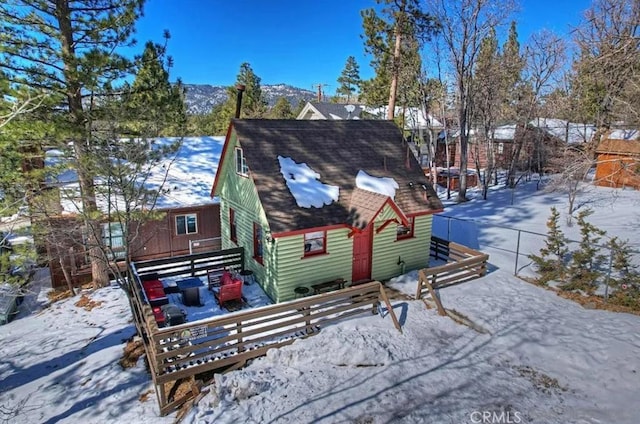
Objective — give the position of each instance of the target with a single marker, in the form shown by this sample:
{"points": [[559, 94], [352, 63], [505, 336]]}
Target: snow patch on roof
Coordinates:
{"points": [[381, 185], [569, 132], [505, 132], [305, 185]]}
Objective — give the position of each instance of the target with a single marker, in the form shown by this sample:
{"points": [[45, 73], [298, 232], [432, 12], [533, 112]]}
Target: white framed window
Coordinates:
{"points": [[315, 243], [186, 224], [241, 163], [500, 148], [113, 239]]}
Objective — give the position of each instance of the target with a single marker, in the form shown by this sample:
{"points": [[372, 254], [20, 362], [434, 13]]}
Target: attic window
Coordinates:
{"points": [[241, 163], [315, 243]]}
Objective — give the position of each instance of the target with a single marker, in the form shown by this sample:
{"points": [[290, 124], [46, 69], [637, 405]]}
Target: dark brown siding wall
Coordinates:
{"points": [[159, 239], [156, 239]]}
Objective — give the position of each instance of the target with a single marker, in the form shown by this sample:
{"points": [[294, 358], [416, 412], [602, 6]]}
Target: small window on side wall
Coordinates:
{"points": [[315, 243], [241, 163], [405, 232], [258, 242], [186, 224]]}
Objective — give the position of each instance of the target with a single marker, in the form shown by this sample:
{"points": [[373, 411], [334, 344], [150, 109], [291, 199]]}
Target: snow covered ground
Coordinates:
{"points": [[538, 358]]}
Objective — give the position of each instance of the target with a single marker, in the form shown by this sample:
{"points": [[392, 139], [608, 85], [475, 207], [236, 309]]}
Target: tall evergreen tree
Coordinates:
{"points": [[349, 79], [281, 110], [391, 37], [155, 105], [254, 104], [511, 66], [67, 48]]}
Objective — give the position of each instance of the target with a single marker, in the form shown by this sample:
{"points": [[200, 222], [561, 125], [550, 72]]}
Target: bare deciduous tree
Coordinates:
{"points": [[544, 59], [463, 26], [574, 164]]}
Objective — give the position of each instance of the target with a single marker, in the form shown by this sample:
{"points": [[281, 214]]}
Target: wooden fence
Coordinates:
{"points": [[463, 264], [226, 342]]}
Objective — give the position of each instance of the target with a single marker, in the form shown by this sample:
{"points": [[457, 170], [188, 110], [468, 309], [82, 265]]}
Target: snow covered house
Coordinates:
{"points": [[618, 160], [188, 221], [318, 200]]}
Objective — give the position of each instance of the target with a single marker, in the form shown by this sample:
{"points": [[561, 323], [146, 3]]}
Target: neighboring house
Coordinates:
{"points": [[324, 110], [316, 200], [618, 160], [542, 140], [569, 133], [189, 221]]}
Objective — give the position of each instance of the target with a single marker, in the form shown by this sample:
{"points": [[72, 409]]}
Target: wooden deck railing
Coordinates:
{"points": [[463, 264], [228, 341]]}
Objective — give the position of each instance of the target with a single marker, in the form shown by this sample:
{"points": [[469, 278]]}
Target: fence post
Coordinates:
{"points": [[449, 228], [515, 271], [606, 287]]}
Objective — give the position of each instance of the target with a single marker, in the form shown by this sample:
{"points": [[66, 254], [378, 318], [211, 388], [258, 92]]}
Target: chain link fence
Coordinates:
{"points": [[510, 248]]}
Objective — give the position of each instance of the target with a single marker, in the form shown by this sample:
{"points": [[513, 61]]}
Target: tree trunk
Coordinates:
{"points": [[395, 71], [80, 142]]}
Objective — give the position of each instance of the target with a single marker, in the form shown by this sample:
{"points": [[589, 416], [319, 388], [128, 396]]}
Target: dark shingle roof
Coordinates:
{"points": [[337, 109], [336, 150]]}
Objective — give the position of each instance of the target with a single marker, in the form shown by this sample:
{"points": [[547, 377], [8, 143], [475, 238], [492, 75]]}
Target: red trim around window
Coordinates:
{"points": [[412, 221], [315, 252], [258, 243]]}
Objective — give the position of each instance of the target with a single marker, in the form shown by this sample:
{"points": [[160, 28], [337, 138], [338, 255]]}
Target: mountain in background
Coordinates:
{"points": [[201, 98]]}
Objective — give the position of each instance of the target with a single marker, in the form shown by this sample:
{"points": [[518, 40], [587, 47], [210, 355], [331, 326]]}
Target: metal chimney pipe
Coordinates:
{"points": [[240, 88]]}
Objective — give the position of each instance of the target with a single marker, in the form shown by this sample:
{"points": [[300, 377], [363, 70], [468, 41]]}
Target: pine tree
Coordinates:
{"points": [[156, 105], [392, 38], [511, 67], [254, 104], [281, 110], [69, 50], [584, 269], [622, 262], [550, 263], [349, 79]]}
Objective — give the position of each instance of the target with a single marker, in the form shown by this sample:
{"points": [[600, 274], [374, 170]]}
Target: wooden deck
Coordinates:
{"points": [[226, 342]]}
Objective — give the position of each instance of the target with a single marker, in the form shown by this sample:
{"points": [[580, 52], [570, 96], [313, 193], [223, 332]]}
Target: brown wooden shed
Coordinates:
{"points": [[618, 160]]}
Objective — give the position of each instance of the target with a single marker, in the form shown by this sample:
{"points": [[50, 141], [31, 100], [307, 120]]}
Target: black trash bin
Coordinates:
{"points": [[173, 315], [247, 276]]}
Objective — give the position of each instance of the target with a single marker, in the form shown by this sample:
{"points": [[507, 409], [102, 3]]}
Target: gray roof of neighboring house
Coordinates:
{"points": [[569, 132], [339, 111], [337, 150]]}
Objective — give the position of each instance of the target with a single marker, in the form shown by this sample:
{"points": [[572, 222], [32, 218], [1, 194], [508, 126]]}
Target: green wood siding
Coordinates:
{"points": [[294, 270], [414, 251], [284, 266], [240, 193]]}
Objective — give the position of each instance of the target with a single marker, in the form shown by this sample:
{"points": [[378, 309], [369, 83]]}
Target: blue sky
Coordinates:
{"points": [[302, 42]]}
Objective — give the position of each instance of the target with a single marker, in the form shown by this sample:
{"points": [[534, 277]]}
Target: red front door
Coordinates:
{"points": [[362, 245]]}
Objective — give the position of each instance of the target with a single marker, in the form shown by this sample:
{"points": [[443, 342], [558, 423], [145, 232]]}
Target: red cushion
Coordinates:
{"points": [[159, 316]]}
